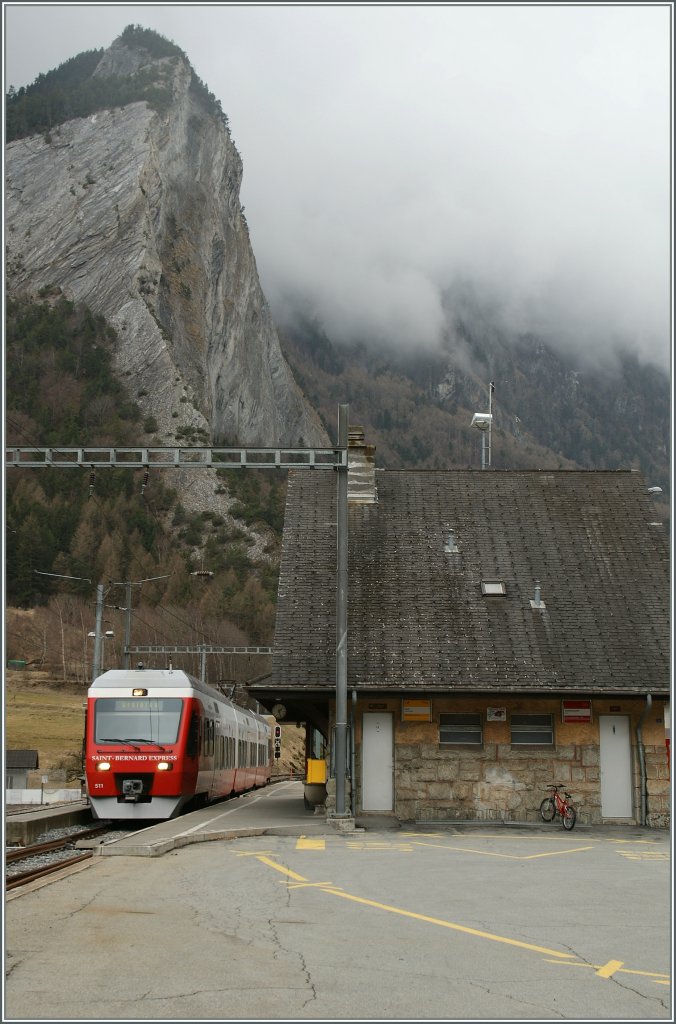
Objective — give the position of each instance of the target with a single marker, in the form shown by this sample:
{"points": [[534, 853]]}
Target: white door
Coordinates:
{"points": [[377, 763], [616, 799]]}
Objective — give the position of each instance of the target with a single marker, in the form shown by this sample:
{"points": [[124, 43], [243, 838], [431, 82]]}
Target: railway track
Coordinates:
{"points": [[40, 850]]}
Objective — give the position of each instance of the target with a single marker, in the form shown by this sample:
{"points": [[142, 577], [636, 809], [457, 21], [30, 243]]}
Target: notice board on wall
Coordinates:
{"points": [[576, 711], [416, 710]]}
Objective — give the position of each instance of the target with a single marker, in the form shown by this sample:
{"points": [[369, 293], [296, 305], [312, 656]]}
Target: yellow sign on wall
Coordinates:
{"points": [[416, 710]]}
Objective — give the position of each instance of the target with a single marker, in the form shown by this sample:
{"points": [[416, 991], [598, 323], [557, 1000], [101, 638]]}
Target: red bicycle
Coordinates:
{"points": [[557, 804]]}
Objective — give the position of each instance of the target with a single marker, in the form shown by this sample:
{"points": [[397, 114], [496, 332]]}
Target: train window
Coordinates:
{"points": [[149, 719], [193, 736]]}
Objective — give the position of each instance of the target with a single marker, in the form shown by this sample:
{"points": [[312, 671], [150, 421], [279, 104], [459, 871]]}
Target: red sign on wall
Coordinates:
{"points": [[576, 711]]}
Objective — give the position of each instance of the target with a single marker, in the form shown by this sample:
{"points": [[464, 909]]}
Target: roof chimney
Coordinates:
{"points": [[361, 469]]}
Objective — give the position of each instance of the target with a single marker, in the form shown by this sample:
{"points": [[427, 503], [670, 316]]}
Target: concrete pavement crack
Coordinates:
{"points": [[620, 981], [301, 959], [546, 1010]]}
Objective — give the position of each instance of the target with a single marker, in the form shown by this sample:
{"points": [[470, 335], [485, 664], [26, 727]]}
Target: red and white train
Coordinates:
{"points": [[158, 740]]}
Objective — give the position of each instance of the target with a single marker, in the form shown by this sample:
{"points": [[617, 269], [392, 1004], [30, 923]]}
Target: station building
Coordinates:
{"points": [[506, 630]]}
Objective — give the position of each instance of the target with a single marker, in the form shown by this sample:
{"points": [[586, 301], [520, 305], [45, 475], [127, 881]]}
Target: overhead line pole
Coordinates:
{"points": [[340, 760], [96, 668]]}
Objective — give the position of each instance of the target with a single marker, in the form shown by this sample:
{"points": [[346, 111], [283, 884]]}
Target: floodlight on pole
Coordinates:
{"points": [[483, 421]]}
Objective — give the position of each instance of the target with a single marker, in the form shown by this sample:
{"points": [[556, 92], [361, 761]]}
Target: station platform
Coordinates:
{"points": [[279, 809], [22, 828]]}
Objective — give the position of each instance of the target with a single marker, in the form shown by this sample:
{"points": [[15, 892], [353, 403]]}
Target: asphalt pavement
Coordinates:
{"points": [[263, 911]]}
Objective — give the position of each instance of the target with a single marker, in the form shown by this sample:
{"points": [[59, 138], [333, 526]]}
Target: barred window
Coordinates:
{"points": [[457, 730], [532, 730]]}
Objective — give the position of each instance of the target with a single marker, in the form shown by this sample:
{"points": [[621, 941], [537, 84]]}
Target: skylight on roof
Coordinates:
{"points": [[493, 587]]}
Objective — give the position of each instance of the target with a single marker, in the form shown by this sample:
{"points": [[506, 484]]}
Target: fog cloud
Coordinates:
{"points": [[389, 150]]}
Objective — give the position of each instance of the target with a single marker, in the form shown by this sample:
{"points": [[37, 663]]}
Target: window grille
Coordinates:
{"points": [[460, 730], [532, 730]]}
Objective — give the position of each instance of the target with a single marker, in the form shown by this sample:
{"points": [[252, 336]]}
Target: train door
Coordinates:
{"points": [[615, 760], [377, 790]]}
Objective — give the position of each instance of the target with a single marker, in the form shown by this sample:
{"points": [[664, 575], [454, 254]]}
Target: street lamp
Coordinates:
{"points": [[108, 633]]}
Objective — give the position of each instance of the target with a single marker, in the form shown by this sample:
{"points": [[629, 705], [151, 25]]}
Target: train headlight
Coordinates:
{"points": [[103, 766], [164, 766]]}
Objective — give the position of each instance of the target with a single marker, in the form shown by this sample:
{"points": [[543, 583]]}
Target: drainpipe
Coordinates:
{"points": [[641, 758], [353, 788]]}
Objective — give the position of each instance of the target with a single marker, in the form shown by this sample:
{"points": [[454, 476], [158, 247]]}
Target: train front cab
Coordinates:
{"points": [[131, 775]]}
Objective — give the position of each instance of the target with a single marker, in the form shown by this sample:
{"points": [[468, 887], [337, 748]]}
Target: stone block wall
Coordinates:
{"points": [[659, 788], [498, 782]]}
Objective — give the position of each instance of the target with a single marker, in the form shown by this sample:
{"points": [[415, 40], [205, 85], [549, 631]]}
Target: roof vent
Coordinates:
{"points": [[537, 602], [493, 588], [450, 547]]}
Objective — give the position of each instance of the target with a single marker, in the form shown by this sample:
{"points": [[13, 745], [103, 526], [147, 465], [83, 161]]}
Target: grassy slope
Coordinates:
{"points": [[44, 717]]}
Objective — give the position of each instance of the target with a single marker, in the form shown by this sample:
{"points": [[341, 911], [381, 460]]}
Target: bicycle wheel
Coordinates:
{"points": [[547, 809], [568, 818]]}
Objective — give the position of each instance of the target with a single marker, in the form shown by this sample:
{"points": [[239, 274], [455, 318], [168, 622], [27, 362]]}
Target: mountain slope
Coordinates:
{"points": [[134, 210], [550, 410]]}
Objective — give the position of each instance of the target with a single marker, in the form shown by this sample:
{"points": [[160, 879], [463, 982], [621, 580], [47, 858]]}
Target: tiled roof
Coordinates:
{"points": [[417, 618], [21, 759]]}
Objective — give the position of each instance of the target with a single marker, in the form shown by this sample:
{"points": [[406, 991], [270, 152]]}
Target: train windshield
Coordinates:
{"points": [[137, 720]]}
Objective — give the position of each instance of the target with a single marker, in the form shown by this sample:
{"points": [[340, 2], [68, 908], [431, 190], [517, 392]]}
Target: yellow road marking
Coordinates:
{"points": [[365, 845], [558, 837], [310, 844], [532, 838], [278, 867], [557, 853], [658, 978], [610, 968], [602, 970], [643, 855], [310, 885], [446, 924], [250, 853], [334, 891], [634, 842], [504, 856]]}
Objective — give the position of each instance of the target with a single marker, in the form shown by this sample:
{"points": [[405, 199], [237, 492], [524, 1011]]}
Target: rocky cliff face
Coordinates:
{"points": [[137, 214]]}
